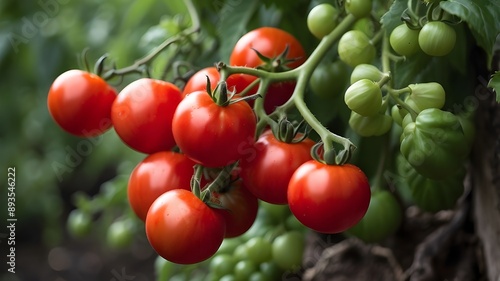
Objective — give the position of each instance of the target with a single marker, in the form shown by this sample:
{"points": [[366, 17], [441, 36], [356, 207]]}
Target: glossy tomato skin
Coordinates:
{"points": [[328, 198], [198, 82], [155, 175], [142, 114], [183, 229], [267, 172], [213, 135], [270, 42], [240, 208], [80, 103]]}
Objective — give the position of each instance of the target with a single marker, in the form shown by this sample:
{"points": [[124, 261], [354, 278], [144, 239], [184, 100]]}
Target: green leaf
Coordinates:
{"points": [[231, 24], [481, 17], [392, 18], [495, 84]]}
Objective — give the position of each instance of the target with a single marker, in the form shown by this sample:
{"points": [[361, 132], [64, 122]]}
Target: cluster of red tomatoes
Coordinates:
{"points": [[154, 116]]}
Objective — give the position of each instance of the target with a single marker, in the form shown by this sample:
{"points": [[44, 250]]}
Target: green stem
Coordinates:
{"points": [[135, 67], [377, 37], [378, 181], [306, 70]]}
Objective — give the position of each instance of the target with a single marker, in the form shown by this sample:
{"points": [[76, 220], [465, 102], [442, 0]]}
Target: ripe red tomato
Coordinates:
{"points": [[142, 114], [80, 103], [268, 170], [270, 42], [182, 229], [240, 208], [328, 198], [155, 175], [213, 135]]}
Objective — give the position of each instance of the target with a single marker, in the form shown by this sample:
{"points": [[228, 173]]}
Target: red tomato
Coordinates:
{"points": [[155, 175], [182, 229], [328, 198], [80, 103], [268, 170], [198, 82], [213, 135], [142, 114], [240, 208], [270, 42]]}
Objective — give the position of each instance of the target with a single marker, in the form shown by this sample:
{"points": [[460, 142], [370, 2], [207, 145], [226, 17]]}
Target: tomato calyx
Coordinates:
{"points": [[223, 97], [286, 131], [331, 156], [221, 184], [276, 64]]}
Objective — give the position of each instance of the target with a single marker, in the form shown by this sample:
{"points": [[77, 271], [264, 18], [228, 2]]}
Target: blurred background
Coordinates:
{"points": [[55, 172]]}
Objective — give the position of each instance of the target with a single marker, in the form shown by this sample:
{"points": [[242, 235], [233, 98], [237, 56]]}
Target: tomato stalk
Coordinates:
{"points": [[137, 66]]}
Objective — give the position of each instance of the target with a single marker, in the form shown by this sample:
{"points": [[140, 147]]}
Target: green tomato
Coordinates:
{"points": [[79, 223], [364, 97], [398, 114], [437, 38], [222, 264], [359, 8], [368, 126], [271, 270], [288, 250], [329, 80], [229, 245], [228, 277], [241, 252], [365, 25], [428, 194], [275, 213], [322, 19], [365, 71], [244, 269], [382, 219], [259, 276], [404, 40], [120, 234], [355, 48], [426, 95], [258, 250], [435, 144]]}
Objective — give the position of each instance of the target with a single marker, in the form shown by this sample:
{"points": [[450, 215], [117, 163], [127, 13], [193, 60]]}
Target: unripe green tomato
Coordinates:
{"points": [[404, 40], [79, 223], [288, 250], [382, 219], [437, 38], [359, 8], [365, 25], [426, 95], [398, 114], [406, 120], [355, 48], [322, 19], [258, 250], [427, 194], [329, 80], [368, 126], [120, 234], [244, 269], [365, 71], [222, 264], [364, 97]]}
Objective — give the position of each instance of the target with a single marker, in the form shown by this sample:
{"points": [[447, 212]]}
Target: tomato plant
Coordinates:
{"points": [[183, 229], [80, 103], [142, 114], [271, 125], [340, 194]]}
